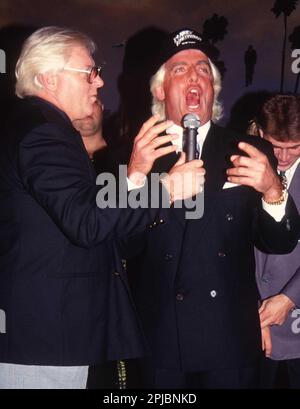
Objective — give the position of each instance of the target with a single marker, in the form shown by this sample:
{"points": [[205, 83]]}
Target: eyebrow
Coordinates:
{"points": [[199, 62]]}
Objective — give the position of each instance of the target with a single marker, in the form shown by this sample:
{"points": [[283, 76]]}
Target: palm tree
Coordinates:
{"points": [[215, 28], [285, 7], [294, 39]]}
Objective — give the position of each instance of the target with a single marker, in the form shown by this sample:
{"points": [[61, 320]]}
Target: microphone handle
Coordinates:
{"points": [[190, 144]]}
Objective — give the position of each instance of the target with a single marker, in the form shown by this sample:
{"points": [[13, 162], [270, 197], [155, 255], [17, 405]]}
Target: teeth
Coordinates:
{"points": [[193, 106]]}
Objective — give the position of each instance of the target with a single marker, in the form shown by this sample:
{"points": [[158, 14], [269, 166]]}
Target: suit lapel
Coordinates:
{"points": [[216, 152], [215, 155], [163, 165]]}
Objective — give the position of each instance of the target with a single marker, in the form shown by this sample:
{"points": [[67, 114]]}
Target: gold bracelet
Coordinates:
{"points": [[278, 201]]}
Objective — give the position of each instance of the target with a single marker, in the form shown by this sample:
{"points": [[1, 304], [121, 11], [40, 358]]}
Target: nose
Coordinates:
{"points": [[283, 155], [193, 75], [98, 81]]}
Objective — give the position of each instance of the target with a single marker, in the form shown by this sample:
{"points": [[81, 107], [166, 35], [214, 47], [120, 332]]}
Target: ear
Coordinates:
{"points": [[159, 93], [48, 80]]}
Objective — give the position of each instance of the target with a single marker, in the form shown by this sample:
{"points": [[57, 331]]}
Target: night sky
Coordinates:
{"points": [[112, 22]]}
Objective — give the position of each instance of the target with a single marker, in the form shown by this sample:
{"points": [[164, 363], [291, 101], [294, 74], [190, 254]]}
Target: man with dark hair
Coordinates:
{"points": [[195, 284], [278, 276]]}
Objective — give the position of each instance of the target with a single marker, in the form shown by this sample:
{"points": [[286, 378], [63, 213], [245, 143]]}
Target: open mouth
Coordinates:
{"points": [[192, 98]]}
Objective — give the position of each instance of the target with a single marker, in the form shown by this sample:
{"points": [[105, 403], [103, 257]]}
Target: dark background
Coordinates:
{"points": [[112, 22]]}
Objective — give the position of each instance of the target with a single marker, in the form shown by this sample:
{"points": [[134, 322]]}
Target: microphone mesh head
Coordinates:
{"points": [[191, 121]]}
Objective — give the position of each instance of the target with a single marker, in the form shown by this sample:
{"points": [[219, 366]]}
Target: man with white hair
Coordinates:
{"points": [[62, 286], [195, 285]]}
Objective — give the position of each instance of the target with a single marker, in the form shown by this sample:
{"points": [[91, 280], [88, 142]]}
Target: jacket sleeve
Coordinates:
{"points": [[55, 171], [275, 237], [292, 288]]}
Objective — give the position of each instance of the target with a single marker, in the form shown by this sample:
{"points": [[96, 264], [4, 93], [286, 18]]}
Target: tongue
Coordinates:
{"points": [[192, 99]]}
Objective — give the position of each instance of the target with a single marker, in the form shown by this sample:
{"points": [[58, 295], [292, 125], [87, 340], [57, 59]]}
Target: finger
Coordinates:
{"points": [[241, 180], [243, 171], [263, 306], [161, 140], [261, 310], [262, 340], [147, 125], [266, 322], [251, 150], [181, 159], [262, 315], [198, 163], [268, 346], [243, 161], [151, 132], [158, 153]]}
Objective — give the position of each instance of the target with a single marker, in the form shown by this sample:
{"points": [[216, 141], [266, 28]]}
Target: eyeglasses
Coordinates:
{"points": [[92, 73]]}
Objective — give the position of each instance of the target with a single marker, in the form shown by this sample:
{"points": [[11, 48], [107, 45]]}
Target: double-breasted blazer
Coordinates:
{"points": [[194, 280]]}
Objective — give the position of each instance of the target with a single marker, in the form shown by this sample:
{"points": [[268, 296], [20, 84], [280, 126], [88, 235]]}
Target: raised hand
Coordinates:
{"points": [[148, 147], [255, 171]]}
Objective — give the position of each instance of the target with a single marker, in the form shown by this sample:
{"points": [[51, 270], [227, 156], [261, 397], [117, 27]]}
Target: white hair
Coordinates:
{"points": [[47, 49], [158, 107]]}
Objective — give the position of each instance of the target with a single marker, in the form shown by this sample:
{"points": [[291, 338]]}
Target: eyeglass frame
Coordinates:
{"points": [[98, 68]]}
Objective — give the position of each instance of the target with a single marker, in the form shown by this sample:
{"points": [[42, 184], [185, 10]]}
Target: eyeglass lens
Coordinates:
{"points": [[95, 71]]}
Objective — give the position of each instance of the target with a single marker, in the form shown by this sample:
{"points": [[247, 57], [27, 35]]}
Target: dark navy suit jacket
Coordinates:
{"points": [[62, 284], [194, 280]]}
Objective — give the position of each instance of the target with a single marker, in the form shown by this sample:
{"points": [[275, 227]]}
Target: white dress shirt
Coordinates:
{"points": [[201, 136]]}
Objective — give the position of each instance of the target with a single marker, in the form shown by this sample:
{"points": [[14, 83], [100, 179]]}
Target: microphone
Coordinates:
{"points": [[191, 123]]}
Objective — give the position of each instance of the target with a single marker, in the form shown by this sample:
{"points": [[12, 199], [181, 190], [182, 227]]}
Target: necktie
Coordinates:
{"points": [[283, 178], [197, 150]]}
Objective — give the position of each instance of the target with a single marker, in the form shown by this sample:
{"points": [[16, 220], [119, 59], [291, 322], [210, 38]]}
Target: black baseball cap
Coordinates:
{"points": [[184, 39]]}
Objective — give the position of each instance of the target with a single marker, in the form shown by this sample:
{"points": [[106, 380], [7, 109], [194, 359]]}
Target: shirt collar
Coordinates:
{"points": [[289, 173], [201, 136]]}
